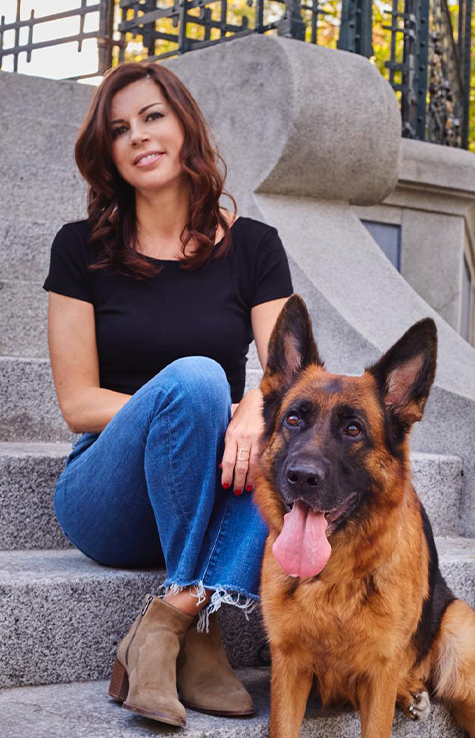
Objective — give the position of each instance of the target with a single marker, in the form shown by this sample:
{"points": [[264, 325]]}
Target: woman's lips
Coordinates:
{"points": [[148, 160]]}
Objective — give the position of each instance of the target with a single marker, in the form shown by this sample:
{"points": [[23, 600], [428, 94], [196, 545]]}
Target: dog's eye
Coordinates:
{"points": [[292, 419], [353, 430]]}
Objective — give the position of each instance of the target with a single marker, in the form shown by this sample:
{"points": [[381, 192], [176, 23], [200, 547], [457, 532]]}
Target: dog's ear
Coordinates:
{"points": [[405, 375], [291, 349]]}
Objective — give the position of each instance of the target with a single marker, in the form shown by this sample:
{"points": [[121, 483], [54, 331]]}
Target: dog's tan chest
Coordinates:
{"points": [[341, 625]]}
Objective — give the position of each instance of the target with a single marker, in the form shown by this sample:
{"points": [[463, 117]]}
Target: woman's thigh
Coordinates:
{"points": [[102, 504], [102, 499]]}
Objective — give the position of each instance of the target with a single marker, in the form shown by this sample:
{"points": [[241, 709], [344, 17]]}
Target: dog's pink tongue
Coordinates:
{"points": [[302, 549]]}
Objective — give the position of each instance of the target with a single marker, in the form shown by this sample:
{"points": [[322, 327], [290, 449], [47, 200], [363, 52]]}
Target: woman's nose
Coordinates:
{"points": [[138, 134]]}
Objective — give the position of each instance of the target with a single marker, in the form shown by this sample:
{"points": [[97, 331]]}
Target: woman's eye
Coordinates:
{"points": [[353, 430], [154, 115], [117, 131], [293, 420]]}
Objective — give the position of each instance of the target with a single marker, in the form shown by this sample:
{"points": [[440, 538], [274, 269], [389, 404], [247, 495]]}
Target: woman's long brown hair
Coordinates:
{"points": [[111, 200]]}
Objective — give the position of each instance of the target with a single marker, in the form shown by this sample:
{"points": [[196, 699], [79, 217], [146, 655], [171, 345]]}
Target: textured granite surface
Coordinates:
{"points": [[21, 92], [61, 614], [28, 400], [25, 245], [23, 319], [457, 564], [86, 711], [438, 482], [28, 474], [56, 192]]}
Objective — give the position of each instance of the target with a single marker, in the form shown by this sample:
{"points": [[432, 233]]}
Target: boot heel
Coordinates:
{"points": [[119, 683]]}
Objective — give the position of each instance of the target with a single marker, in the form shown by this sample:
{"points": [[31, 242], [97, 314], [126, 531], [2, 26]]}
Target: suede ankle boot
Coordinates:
{"points": [[205, 679], [144, 675]]}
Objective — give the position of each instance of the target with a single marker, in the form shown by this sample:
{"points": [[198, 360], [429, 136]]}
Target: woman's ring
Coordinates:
{"points": [[243, 451]]}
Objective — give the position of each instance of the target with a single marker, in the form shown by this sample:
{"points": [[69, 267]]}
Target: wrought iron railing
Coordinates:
{"points": [[103, 34], [431, 69], [426, 47]]}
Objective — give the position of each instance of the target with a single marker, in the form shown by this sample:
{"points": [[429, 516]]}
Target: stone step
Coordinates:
{"points": [[28, 400], [28, 474], [62, 615], [25, 245], [79, 710], [438, 480], [23, 319], [55, 193], [30, 409]]}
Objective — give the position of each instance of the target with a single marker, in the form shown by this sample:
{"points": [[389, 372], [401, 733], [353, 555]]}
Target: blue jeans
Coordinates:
{"points": [[147, 490]]}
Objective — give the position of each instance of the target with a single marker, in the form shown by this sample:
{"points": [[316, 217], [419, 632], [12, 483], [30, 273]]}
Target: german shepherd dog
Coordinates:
{"points": [[352, 597]]}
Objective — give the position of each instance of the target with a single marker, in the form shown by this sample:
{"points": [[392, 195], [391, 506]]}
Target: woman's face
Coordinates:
{"points": [[147, 137]]}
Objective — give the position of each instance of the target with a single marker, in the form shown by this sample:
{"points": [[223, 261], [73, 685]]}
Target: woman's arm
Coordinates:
{"points": [[246, 425], [263, 318], [85, 406]]}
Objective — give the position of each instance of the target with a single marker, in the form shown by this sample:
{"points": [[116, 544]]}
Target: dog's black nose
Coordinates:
{"points": [[305, 477]]}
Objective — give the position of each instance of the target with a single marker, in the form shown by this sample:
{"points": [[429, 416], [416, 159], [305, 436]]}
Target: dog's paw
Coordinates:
{"points": [[417, 707]]}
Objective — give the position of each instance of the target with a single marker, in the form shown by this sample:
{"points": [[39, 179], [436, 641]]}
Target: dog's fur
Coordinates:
{"points": [[378, 625]]}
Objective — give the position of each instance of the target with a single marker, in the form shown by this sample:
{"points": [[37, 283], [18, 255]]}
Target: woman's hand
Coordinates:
{"points": [[241, 443], [247, 424]]}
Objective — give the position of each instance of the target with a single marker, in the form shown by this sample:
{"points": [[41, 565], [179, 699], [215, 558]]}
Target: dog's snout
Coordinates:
{"points": [[305, 477]]}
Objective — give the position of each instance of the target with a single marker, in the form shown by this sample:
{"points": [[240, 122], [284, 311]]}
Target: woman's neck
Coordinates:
{"points": [[161, 217]]}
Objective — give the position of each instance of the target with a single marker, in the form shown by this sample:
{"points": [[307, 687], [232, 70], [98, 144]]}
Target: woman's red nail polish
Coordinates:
{"points": [[226, 485], [249, 488], [238, 491]]}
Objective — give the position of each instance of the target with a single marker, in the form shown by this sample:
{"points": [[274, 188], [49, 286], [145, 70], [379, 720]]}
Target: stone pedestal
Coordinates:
{"points": [[434, 207]]}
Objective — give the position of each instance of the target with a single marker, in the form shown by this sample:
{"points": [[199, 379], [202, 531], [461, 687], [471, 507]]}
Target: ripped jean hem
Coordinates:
{"points": [[222, 595]]}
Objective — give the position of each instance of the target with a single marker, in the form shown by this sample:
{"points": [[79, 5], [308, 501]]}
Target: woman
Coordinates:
{"points": [[153, 302]]}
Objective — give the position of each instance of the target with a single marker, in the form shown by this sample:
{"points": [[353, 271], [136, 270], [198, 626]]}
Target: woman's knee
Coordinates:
{"points": [[197, 379]]}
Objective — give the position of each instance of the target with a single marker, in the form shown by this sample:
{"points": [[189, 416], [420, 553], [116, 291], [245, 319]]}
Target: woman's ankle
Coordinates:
{"points": [[187, 602]]}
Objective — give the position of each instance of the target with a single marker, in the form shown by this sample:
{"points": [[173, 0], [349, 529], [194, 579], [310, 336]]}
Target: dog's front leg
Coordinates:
{"points": [[377, 702], [291, 682]]}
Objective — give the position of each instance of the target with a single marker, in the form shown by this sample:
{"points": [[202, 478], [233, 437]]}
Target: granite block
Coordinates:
{"points": [[86, 711], [23, 319], [57, 193], [29, 471], [28, 475], [21, 94], [45, 142], [62, 615], [25, 245], [438, 481], [28, 400]]}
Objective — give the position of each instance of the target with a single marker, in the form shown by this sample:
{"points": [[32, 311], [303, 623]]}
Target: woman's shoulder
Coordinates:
{"points": [[80, 228], [72, 241], [252, 237], [255, 228]]}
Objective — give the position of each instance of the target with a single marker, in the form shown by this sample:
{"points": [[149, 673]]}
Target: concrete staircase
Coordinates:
{"points": [[61, 615]]}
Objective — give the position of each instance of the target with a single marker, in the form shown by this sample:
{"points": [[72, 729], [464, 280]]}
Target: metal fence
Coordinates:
{"points": [[103, 34], [423, 46]]}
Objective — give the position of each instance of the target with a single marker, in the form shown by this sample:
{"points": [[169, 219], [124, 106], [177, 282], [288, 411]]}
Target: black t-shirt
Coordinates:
{"points": [[144, 325]]}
